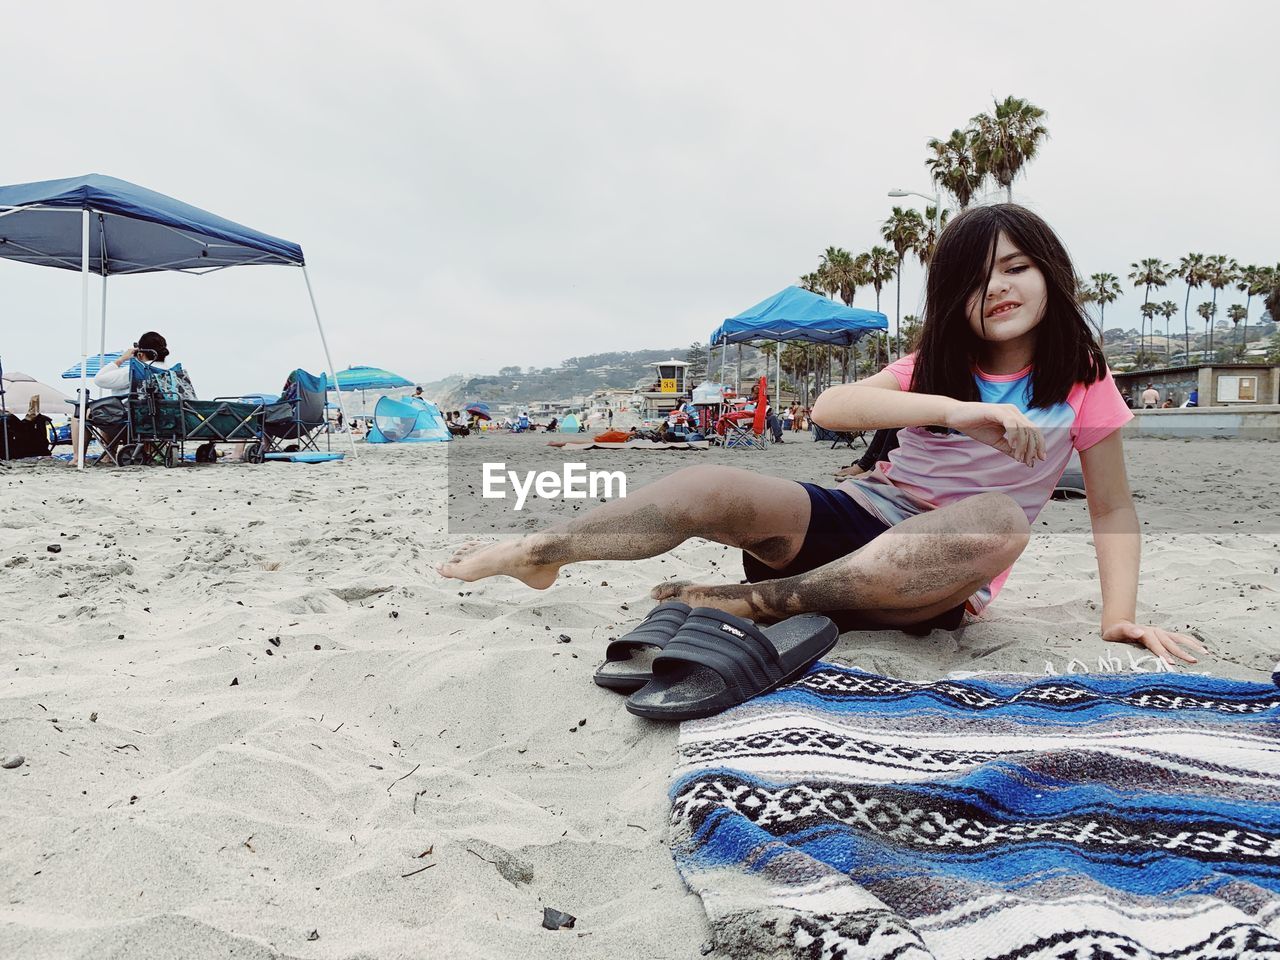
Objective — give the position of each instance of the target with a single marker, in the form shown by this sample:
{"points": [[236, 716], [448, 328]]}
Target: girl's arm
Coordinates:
{"points": [[1118, 544], [879, 401]]}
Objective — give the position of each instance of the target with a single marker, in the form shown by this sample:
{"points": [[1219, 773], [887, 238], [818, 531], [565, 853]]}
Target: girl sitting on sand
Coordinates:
{"points": [[1008, 380]]}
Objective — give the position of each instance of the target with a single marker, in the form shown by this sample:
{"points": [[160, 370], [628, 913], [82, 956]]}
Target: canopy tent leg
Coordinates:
{"points": [[102, 257], [333, 373], [83, 432], [737, 372], [102, 338]]}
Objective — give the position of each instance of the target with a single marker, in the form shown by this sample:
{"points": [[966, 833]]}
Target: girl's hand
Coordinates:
{"points": [[1160, 642], [999, 425]]}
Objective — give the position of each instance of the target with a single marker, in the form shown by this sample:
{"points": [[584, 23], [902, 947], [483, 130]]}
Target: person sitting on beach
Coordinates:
{"points": [[455, 427], [877, 450], [1008, 379], [115, 379]]}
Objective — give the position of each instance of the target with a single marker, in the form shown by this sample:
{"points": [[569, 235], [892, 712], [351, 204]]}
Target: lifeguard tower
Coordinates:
{"points": [[668, 391]]}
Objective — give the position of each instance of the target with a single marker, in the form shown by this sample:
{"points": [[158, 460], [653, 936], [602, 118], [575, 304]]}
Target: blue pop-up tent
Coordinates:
{"points": [[795, 314], [104, 226], [407, 420]]}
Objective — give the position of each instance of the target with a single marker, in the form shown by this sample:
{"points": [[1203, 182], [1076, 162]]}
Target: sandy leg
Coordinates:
{"points": [[510, 558], [739, 599], [922, 567], [764, 515]]}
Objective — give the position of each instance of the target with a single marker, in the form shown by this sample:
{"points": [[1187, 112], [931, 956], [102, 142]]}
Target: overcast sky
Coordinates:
{"points": [[478, 185]]}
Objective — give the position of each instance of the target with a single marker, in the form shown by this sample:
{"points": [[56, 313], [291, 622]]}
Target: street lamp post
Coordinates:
{"points": [[936, 200]]}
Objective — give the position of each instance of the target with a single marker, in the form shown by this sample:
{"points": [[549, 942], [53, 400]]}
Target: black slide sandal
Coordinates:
{"points": [[716, 661], [628, 663]]}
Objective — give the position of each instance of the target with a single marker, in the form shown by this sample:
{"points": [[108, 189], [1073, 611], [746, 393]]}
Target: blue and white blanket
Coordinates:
{"points": [[851, 816]]}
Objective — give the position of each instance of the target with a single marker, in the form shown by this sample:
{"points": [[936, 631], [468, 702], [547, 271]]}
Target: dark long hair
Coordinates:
{"points": [[1066, 352]]}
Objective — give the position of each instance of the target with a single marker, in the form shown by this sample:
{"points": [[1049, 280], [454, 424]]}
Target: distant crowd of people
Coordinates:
{"points": [[1150, 399]]}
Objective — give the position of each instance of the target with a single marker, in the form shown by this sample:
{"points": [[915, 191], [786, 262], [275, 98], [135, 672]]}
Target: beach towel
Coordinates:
{"points": [[612, 436], [850, 815], [631, 445]]}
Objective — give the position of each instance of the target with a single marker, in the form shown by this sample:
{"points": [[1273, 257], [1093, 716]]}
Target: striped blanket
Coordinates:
{"points": [[851, 816]]}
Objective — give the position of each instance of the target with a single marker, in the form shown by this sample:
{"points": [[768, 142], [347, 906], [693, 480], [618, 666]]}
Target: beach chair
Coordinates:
{"points": [[837, 437], [297, 419], [160, 414], [747, 429], [146, 425]]}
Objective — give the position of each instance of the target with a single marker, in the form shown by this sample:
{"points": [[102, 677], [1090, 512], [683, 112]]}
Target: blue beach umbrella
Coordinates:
{"points": [[370, 378], [479, 409], [95, 364]]}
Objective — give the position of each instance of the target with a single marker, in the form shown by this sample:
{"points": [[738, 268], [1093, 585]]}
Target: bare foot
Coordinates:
{"points": [[740, 599], [510, 558], [852, 470]]}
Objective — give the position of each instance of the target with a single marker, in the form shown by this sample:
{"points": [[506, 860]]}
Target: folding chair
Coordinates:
{"points": [[747, 430], [837, 437], [146, 426], [299, 416]]}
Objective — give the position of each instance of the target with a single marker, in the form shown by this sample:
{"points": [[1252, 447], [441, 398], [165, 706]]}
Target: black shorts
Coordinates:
{"points": [[839, 525]]}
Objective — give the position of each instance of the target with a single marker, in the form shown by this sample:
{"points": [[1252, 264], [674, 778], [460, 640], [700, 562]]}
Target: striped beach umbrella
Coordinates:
{"points": [[370, 378], [96, 363]]}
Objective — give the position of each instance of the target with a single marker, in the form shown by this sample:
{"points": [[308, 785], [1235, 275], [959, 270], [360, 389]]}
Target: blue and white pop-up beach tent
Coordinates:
{"points": [[104, 226], [407, 420]]}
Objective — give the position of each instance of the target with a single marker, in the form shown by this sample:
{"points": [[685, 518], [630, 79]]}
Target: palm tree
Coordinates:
{"points": [[1103, 289], [1168, 310], [1220, 271], [1005, 139], [842, 271], [902, 230], [910, 330], [1235, 313], [1252, 283], [1271, 284], [878, 263], [954, 168], [1152, 272], [813, 282], [1149, 311], [1207, 311], [934, 221], [877, 266], [1191, 269]]}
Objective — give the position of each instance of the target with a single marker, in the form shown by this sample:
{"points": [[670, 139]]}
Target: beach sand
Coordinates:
{"points": [[251, 710]]}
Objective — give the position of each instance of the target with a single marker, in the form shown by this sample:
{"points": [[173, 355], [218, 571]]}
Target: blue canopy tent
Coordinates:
{"points": [[124, 228], [795, 314]]}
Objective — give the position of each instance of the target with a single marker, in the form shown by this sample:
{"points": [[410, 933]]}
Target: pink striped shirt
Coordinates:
{"points": [[930, 470]]}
